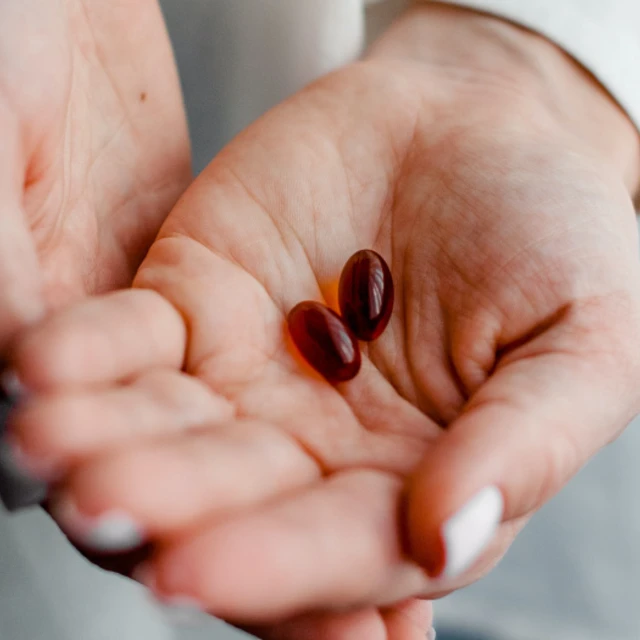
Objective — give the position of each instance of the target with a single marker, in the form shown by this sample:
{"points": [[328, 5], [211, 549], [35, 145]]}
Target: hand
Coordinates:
{"points": [[95, 148], [498, 188]]}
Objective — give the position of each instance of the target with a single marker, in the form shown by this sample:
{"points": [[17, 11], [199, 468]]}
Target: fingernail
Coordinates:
{"points": [[431, 634], [12, 386], [112, 531], [469, 531]]}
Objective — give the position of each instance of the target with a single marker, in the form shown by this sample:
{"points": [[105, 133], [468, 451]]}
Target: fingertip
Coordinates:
{"points": [[173, 577], [426, 544], [469, 532], [153, 486], [450, 524], [181, 609], [112, 530], [119, 482]]}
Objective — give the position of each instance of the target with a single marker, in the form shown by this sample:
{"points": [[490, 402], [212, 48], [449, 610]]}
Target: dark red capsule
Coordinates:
{"points": [[324, 341], [366, 294]]}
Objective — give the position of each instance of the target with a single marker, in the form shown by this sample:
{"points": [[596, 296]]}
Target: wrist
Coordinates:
{"points": [[477, 53]]}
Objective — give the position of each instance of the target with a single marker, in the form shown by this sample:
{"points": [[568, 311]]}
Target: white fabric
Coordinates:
{"points": [[603, 35]]}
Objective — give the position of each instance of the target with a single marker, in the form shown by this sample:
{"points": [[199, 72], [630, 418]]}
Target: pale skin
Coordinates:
{"points": [[496, 177], [95, 150]]}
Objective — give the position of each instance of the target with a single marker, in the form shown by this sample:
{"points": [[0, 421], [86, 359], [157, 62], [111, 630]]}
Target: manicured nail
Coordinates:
{"points": [[112, 531], [470, 530]]}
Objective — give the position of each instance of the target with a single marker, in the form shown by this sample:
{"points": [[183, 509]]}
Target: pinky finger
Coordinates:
{"points": [[410, 620]]}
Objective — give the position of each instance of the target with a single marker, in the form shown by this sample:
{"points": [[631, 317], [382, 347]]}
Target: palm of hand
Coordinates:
{"points": [[264, 495], [97, 142]]}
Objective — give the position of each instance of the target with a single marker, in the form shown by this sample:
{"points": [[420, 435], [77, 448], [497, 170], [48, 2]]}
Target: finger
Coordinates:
{"points": [[548, 407], [21, 301], [409, 620], [365, 623], [101, 340], [174, 483], [331, 547], [50, 433]]}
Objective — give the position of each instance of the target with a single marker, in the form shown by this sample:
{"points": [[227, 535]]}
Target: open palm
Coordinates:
{"points": [[95, 148], [269, 492]]}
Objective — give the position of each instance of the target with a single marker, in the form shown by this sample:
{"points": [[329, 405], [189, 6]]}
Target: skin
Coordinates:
{"points": [[95, 149], [496, 177]]}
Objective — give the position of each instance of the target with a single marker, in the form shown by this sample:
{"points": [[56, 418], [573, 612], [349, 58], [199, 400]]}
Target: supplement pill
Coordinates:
{"points": [[366, 294], [324, 341]]}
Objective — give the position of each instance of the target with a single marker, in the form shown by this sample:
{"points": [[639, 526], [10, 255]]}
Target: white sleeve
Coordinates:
{"points": [[603, 35]]}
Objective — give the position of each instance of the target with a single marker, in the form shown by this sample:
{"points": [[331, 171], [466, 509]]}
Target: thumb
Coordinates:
{"points": [[546, 409], [20, 283]]}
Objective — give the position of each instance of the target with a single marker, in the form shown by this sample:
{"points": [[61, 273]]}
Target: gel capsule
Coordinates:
{"points": [[366, 294], [324, 341]]}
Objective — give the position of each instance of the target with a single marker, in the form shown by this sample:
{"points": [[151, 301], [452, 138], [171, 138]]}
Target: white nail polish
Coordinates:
{"points": [[469, 531], [111, 532], [431, 634], [11, 385]]}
